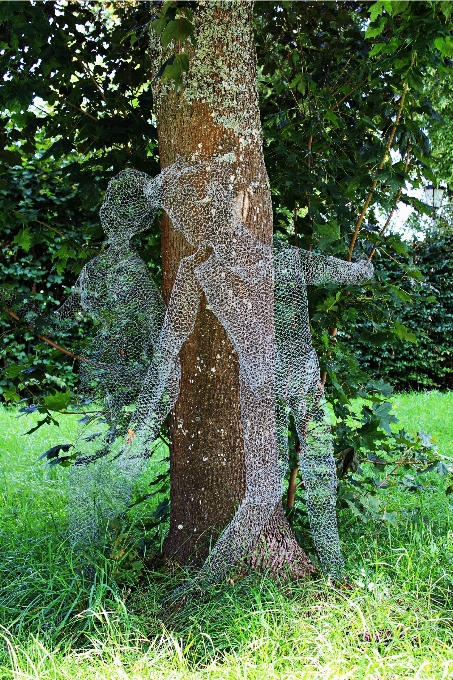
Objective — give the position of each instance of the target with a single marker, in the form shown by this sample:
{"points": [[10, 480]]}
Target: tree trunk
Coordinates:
{"points": [[214, 115]]}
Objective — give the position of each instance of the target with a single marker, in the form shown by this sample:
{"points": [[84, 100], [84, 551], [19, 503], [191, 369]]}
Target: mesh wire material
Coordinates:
{"points": [[132, 367], [114, 290]]}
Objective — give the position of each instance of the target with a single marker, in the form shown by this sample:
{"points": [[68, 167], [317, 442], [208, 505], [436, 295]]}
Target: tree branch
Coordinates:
{"points": [[381, 165], [397, 198], [349, 93], [90, 75], [48, 340], [66, 101], [60, 233], [376, 179], [44, 224]]}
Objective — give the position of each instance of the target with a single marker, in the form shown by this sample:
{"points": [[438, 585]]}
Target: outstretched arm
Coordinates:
{"points": [[319, 269]]}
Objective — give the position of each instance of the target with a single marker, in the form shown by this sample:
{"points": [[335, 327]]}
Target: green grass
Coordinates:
{"points": [[60, 621], [431, 412]]}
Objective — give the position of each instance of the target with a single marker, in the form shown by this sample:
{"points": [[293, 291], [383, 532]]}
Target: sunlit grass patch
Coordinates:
{"points": [[428, 411], [63, 619]]}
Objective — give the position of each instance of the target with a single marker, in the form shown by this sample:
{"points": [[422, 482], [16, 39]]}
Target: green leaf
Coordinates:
{"points": [[377, 339], [170, 33], [385, 413], [391, 517], [24, 239], [299, 82], [430, 468], [183, 59], [398, 7], [402, 63], [403, 333], [54, 451], [442, 469], [388, 6], [376, 10], [10, 394], [166, 14], [330, 303], [174, 70], [9, 9], [398, 245], [371, 504], [64, 461], [178, 30], [327, 233], [410, 483], [446, 8], [377, 49], [415, 80], [445, 46], [58, 401], [401, 294], [393, 46], [375, 28], [380, 386], [48, 420], [334, 119], [426, 439]]}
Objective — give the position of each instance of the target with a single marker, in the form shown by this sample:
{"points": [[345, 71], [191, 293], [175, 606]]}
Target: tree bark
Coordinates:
{"points": [[216, 114]]}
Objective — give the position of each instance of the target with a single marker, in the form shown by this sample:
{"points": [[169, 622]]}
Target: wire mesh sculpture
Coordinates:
{"points": [[116, 292], [132, 368]]}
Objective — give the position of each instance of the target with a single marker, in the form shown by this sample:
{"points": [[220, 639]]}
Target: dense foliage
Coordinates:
{"points": [[44, 226], [426, 310], [39, 215], [440, 126]]}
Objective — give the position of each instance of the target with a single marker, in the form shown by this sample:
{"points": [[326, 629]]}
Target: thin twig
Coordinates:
{"points": [[81, 110], [88, 72], [167, 443], [60, 233], [48, 340], [310, 217], [76, 413], [292, 486], [373, 187], [381, 165], [397, 198], [349, 93], [39, 222], [391, 462], [376, 179], [370, 195]]}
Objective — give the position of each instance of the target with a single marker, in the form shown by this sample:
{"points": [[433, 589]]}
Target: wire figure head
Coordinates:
{"points": [[130, 205]]}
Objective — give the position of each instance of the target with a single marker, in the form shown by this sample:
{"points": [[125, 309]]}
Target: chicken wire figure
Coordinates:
{"points": [[116, 292], [258, 293], [235, 272], [299, 389]]}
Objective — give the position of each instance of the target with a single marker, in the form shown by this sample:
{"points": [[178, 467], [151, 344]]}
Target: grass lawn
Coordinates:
{"points": [[58, 620]]}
